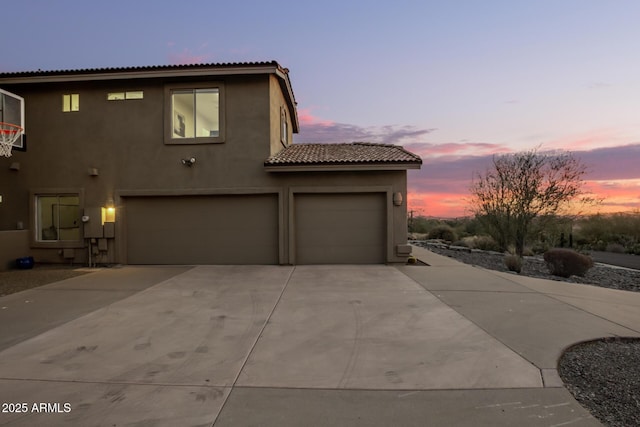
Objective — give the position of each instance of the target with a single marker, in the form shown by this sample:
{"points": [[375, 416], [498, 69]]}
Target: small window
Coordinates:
{"points": [[284, 126], [194, 115], [135, 94], [58, 217], [115, 96], [70, 102], [121, 96]]}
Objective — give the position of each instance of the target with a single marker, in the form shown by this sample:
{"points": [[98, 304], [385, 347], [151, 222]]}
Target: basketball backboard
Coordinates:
{"points": [[12, 111]]}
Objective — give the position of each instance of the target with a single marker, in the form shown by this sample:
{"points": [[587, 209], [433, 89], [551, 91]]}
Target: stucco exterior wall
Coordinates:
{"points": [[110, 150], [13, 244]]}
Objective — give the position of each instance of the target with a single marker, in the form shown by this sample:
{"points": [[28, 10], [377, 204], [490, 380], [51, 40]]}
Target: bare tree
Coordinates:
{"points": [[522, 186]]}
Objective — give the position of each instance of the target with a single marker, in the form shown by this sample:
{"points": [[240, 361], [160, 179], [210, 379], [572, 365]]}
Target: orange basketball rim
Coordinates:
{"points": [[9, 133]]}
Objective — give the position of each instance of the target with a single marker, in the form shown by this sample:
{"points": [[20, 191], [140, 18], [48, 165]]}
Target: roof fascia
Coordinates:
{"points": [[142, 74], [285, 84], [342, 167]]}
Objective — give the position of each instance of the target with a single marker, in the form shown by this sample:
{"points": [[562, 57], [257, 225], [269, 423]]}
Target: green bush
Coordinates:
{"points": [[567, 263], [635, 249], [487, 243], [443, 232], [513, 263]]}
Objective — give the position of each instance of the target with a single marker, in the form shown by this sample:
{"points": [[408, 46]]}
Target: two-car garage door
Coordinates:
{"points": [[225, 229], [327, 228]]}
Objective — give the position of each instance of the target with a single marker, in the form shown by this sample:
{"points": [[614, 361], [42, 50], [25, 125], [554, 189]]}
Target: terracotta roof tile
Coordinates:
{"points": [[353, 153]]}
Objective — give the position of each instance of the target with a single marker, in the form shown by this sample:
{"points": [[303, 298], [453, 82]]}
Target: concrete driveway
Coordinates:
{"points": [[281, 345]]}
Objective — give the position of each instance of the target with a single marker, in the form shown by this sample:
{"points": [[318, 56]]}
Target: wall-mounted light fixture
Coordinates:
{"points": [[109, 212], [189, 162], [397, 199], [15, 166], [93, 172]]}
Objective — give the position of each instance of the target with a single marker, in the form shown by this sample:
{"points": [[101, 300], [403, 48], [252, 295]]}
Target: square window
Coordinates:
{"points": [[195, 115], [58, 217]]}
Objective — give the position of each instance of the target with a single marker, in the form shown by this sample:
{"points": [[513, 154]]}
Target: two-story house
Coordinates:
{"points": [[191, 164]]}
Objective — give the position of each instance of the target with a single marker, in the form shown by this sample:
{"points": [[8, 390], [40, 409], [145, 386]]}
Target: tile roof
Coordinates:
{"points": [[356, 153], [144, 68]]}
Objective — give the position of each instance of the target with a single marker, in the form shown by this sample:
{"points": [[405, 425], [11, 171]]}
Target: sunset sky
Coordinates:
{"points": [[453, 81]]}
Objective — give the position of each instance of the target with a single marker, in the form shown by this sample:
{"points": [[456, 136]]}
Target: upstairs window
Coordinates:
{"points": [[284, 127], [70, 102], [194, 114]]}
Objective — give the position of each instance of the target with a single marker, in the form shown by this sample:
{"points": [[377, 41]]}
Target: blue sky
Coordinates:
{"points": [[456, 81]]}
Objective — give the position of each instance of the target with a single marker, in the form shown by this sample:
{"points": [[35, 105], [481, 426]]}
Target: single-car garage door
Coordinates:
{"points": [[340, 228], [228, 229]]}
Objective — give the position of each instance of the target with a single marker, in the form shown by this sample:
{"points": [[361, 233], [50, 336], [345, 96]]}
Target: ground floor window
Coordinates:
{"points": [[58, 217]]}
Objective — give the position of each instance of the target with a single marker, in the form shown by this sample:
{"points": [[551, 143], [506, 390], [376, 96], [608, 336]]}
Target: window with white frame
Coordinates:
{"points": [[194, 114], [58, 217]]}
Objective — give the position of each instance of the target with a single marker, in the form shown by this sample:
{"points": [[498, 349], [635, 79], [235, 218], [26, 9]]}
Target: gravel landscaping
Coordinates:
{"points": [[600, 275], [603, 375], [12, 281]]}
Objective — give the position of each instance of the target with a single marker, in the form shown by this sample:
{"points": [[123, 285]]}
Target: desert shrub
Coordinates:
{"points": [[443, 232], [513, 263], [528, 251], [487, 243], [484, 243], [539, 247], [567, 263], [615, 248], [634, 249]]}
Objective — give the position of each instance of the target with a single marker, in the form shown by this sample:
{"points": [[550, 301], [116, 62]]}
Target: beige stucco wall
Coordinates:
{"points": [[13, 244], [124, 141]]}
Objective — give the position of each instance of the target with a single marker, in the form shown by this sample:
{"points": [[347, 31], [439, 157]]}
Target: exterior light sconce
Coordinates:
{"points": [[108, 212], [15, 166], [397, 199], [93, 172], [189, 162]]}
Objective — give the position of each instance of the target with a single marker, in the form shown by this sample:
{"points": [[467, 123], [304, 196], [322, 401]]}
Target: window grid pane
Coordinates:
{"points": [[58, 218], [183, 114], [207, 114]]}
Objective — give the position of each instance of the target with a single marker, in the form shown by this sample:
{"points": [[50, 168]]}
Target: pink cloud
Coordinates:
{"points": [[605, 137], [186, 57], [442, 185], [306, 118], [456, 150], [316, 130]]}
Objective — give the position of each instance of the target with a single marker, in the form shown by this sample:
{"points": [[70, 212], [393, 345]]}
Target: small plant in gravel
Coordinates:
{"points": [[567, 263], [443, 232], [513, 263]]}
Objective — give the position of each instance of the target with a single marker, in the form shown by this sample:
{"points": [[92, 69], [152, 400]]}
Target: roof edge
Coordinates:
{"points": [[271, 67], [340, 167]]}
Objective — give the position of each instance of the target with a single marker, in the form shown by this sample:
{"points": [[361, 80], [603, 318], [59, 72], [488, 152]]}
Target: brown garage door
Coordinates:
{"points": [[234, 229], [340, 228]]}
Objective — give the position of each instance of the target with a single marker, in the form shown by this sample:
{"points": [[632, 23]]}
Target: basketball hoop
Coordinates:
{"points": [[8, 135]]}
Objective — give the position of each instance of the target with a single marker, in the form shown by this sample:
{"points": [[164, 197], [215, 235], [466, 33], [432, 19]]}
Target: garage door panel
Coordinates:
{"points": [[340, 228], [238, 229]]}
